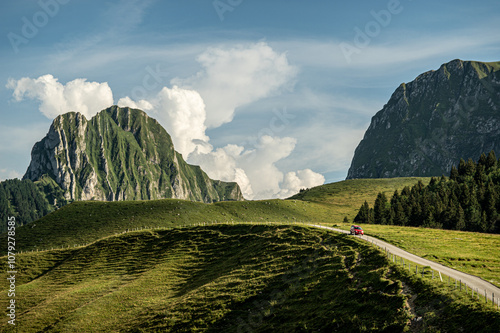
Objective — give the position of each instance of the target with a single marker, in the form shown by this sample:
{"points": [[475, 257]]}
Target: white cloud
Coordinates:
{"points": [[222, 164], [143, 104], [55, 98], [259, 164], [232, 77], [295, 181], [182, 113], [255, 169]]}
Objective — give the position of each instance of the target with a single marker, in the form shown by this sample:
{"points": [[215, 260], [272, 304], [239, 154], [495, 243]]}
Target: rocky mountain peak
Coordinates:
{"points": [[120, 154], [433, 121]]}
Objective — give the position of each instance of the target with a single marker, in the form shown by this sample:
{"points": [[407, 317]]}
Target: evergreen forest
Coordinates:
{"points": [[468, 200]]}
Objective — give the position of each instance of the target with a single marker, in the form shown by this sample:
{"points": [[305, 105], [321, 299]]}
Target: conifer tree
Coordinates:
{"points": [[380, 209], [454, 174], [482, 160], [468, 200], [460, 225], [470, 168], [491, 161], [461, 169], [363, 215]]}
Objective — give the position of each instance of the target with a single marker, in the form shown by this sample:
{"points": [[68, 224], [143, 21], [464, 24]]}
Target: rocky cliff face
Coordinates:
{"points": [[120, 154], [432, 122]]}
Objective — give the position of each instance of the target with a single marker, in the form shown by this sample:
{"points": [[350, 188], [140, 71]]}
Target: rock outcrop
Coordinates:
{"points": [[120, 154], [432, 122]]}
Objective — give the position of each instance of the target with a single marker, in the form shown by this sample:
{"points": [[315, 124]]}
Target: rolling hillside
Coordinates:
{"points": [[236, 277], [229, 278], [83, 222]]}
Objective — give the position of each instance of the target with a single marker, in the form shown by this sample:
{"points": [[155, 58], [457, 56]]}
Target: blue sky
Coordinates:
{"points": [[273, 94]]}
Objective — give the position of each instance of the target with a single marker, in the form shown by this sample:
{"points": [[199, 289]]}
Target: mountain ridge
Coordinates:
{"points": [[431, 122], [120, 154]]}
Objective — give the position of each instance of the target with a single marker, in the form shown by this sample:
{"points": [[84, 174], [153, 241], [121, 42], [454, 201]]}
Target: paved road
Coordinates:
{"points": [[471, 281]]}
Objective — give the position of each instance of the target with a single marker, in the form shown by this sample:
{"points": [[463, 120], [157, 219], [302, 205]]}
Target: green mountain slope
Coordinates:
{"points": [[432, 122], [120, 154]]}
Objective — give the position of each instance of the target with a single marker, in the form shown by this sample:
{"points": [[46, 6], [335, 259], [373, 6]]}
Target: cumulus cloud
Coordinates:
{"points": [[56, 98], [223, 163], [141, 105], [182, 113], [232, 77], [255, 169], [295, 181]]}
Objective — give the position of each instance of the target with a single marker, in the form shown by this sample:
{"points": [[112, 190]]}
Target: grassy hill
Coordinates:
{"points": [[344, 198], [83, 222], [86, 221], [230, 278]]}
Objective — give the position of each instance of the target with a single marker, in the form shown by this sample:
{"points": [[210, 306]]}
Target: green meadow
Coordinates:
{"points": [[470, 252], [181, 266], [231, 278]]}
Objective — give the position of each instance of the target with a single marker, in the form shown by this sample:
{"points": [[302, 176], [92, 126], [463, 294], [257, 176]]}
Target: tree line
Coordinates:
{"points": [[468, 200]]}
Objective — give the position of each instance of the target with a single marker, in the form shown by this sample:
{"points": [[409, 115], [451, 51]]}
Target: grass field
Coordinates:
{"points": [[221, 277], [344, 198], [83, 222], [86, 221], [229, 278], [470, 252]]}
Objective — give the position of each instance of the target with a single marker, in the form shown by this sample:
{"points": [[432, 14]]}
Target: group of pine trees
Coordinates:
{"points": [[468, 200], [23, 200]]}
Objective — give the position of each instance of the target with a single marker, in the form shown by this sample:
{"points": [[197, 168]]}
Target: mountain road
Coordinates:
{"points": [[476, 283]]}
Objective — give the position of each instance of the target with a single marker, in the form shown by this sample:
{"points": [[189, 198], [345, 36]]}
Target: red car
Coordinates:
{"points": [[357, 230]]}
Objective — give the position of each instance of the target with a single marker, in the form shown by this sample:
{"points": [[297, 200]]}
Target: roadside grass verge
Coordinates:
{"points": [[470, 252], [437, 306]]}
